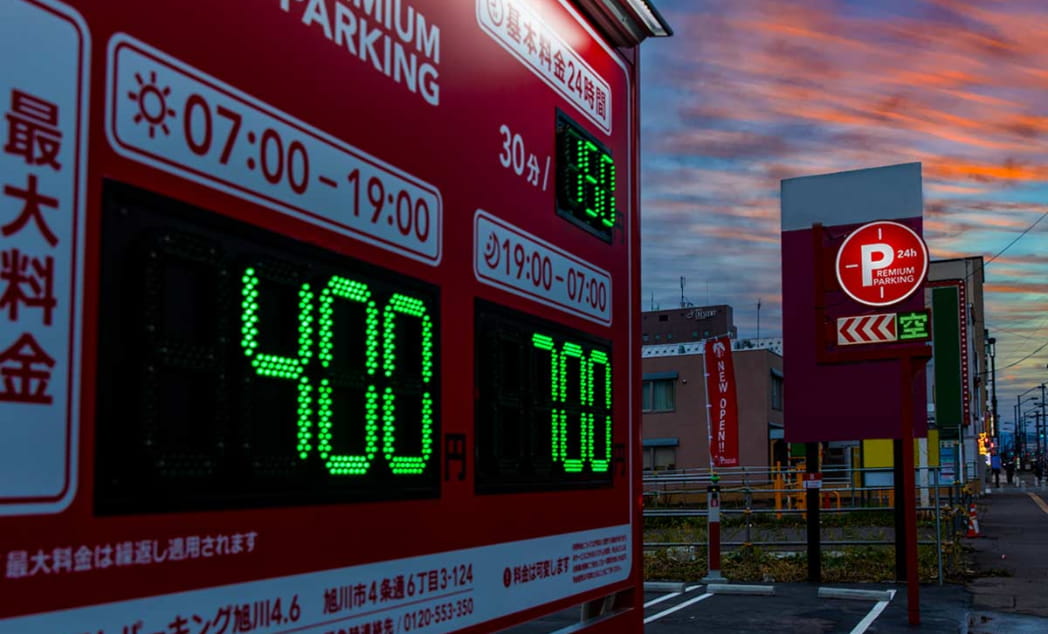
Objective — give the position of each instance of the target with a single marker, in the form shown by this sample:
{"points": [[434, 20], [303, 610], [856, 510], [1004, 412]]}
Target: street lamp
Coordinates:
{"points": [[1021, 421], [1030, 456], [1036, 415]]}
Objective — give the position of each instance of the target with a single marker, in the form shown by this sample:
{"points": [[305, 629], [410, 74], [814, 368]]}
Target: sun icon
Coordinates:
{"points": [[152, 104]]}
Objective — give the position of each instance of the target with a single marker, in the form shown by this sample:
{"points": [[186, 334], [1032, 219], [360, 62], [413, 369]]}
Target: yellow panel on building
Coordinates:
{"points": [[877, 452]]}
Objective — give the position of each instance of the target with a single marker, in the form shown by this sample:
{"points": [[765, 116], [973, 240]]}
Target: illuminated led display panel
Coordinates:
{"points": [[261, 352], [585, 179], [240, 368], [543, 406]]}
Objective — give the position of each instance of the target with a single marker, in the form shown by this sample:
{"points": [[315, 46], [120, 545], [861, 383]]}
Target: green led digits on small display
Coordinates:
{"points": [[914, 325], [585, 178], [559, 377], [397, 308]]}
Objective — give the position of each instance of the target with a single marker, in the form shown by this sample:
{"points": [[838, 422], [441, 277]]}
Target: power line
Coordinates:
{"points": [[1012, 365], [1017, 238], [982, 267], [1025, 231]]}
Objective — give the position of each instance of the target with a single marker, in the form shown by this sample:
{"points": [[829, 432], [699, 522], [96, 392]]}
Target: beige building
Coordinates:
{"points": [[675, 423]]}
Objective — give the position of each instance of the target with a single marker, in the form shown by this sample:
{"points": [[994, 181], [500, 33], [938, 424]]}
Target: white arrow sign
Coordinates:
{"points": [[866, 329]]}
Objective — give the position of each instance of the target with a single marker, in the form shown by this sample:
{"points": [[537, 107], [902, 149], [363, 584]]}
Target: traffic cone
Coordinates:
{"points": [[973, 522]]}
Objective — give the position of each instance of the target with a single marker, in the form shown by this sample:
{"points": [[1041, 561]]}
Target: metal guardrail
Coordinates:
{"points": [[784, 543], [851, 487], [701, 512], [750, 481]]}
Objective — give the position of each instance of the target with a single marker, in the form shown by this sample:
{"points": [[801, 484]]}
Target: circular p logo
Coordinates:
{"points": [[882, 263]]}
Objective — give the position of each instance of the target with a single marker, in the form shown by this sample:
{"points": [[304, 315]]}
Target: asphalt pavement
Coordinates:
{"points": [[1009, 595], [1013, 554]]}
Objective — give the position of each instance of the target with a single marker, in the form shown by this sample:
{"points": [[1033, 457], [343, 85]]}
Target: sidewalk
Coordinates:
{"points": [[1012, 554]]}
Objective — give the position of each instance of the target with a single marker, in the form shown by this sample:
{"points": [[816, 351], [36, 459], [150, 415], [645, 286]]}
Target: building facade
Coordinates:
{"points": [[692, 323], [958, 374], [675, 427]]}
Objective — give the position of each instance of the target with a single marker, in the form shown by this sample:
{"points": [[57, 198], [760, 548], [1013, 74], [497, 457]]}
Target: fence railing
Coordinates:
{"points": [[752, 491], [784, 490]]}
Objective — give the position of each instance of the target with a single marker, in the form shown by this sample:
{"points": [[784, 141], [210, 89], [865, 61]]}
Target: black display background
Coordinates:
{"points": [[566, 206], [513, 402], [183, 420]]}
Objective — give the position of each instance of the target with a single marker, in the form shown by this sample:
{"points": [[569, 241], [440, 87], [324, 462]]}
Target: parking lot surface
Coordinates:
{"points": [[794, 607]]}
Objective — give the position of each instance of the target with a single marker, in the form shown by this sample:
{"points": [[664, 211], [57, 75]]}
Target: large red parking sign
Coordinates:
{"points": [[882, 263], [332, 336]]}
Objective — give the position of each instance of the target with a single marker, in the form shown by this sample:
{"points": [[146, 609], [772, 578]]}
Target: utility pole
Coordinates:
{"points": [[1037, 432], [1021, 418], [758, 321], [1043, 421], [993, 395], [1039, 421], [1018, 437]]}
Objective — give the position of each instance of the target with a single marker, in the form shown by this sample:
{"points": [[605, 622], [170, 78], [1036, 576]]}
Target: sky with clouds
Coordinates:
{"points": [[748, 92]]}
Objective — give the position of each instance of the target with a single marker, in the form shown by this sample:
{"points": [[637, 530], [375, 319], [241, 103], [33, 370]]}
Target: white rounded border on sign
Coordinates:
{"points": [[924, 263]]}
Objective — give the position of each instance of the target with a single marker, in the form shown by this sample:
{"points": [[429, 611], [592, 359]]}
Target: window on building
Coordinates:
{"points": [[776, 391], [660, 458], [658, 395], [664, 458], [664, 317]]}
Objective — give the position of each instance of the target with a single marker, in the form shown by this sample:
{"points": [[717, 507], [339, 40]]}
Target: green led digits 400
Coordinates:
{"points": [[380, 408], [559, 415]]}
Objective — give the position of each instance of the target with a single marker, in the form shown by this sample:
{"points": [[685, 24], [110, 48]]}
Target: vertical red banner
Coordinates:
{"points": [[722, 405]]}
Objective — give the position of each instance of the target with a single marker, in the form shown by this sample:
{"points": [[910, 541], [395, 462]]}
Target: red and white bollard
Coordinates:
{"points": [[713, 534], [973, 522]]}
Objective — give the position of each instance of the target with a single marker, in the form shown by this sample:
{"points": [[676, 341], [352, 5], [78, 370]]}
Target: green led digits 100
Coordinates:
{"points": [[316, 405], [544, 410], [559, 375]]}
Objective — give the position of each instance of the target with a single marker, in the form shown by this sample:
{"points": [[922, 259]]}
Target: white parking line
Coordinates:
{"points": [[875, 611], [679, 606], [670, 596], [662, 598]]}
